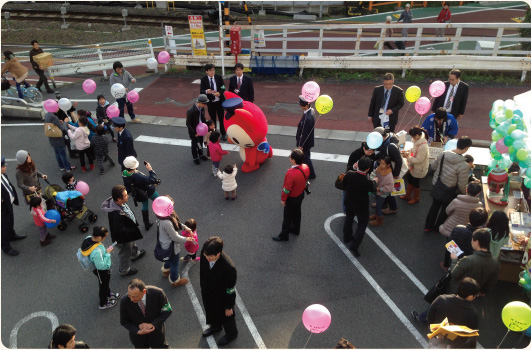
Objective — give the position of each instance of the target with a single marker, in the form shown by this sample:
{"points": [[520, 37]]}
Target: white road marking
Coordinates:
{"points": [[48, 314], [197, 306], [339, 158], [250, 324], [399, 314], [25, 124]]}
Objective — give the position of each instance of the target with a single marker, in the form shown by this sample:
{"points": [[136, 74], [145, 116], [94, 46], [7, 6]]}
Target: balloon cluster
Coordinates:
{"points": [[310, 92], [423, 104], [509, 138]]}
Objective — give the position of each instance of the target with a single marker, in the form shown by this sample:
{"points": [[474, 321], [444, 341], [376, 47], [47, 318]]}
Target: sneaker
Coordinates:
{"points": [[102, 172], [50, 236], [62, 169], [114, 296], [187, 258], [83, 169], [197, 162], [92, 167], [136, 120], [72, 167], [132, 271], [204, 158], [45, 242], [110, 303], [415, 315]]}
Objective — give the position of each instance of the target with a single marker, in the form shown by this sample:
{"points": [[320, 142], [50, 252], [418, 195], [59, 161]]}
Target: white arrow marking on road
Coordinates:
{"points": [[230, 147], [407, 323], [48, 314]]}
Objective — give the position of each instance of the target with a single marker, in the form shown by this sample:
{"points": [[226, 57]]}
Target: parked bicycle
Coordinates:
{"points": [[32, 94]]}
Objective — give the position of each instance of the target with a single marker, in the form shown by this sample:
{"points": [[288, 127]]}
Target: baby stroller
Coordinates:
{"points": [[71, 205]]}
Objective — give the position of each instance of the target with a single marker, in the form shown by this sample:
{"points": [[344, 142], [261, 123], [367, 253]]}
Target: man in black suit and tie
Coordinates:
{"points": [[386, 101], [455, 96], [241, 85], [217, 275], [143, 312], [124, 141], [213, 86], [9, 197]]}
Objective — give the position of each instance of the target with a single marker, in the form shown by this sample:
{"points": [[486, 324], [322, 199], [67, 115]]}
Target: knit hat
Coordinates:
{"points": [[21, 156], [130, 162]]}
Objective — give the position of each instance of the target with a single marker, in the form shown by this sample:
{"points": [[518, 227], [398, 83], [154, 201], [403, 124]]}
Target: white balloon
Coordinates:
{"points": [[65, 104], [151, 63], [118, 90]]}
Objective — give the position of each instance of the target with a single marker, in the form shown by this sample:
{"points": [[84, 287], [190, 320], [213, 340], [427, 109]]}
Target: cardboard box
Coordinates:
{"points": [[44, 60]]}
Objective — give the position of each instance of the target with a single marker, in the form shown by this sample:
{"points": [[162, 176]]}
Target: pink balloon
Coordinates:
{"points": [[82, 187], [437, 88], [500, 146], [113, 111], [162, 206], [422, 106], [163, 57], [89, 86], [201, 129], [132, 96], [310, 91], [316, 318], [51, 106]]}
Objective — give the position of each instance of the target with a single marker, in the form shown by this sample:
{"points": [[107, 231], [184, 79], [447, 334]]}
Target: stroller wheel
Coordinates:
{"points": [[93, 217], [61, 226], [83, 228]]}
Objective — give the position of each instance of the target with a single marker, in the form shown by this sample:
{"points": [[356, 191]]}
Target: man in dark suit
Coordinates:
{"points": [[194, 116], [455, 96], [213, 86], [143, 312], [386, 101], [124, 141], [241, 85], [305, 133], [9, 197], [217, 276]]}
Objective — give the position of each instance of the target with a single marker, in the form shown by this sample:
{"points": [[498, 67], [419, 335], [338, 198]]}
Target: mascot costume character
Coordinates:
{"points": [[246, 127]]}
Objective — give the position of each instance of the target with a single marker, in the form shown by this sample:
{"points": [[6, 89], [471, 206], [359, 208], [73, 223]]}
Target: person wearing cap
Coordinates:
{"points": [[241, 85], [124, 141], [9, 197], [386, 101], [213, 86], [194, 116], [305, 133], [27, 175], [440, 126], [141, 186], [406, 17]]}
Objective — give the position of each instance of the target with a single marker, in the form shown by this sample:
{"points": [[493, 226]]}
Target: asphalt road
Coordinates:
{"points": [[276, 281]]}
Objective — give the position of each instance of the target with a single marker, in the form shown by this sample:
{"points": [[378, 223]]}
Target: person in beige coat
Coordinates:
{"points": [[17, 70], [459, 208], [418, 161], [229, 181]]}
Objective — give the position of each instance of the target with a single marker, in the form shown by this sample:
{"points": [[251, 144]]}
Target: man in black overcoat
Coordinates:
{"points": [[218, 280], [241, 85], [213, 86], [194, 116], [305, 133], [124, 141], [386, 102], [455, 96], [9, 197], [143, 312]]}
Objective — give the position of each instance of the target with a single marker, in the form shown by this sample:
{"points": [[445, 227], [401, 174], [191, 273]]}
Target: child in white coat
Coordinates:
{"points": [[229, 181]]}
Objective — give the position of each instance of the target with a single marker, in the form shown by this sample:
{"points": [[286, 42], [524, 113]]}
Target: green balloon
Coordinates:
{"points": [[496, 136], [511, 150], [522, 165], [513, 159], [521, 154], [519, 144], [508, 141], [500, 118], [511, 129], [496, 155], [519, 113], [527, 182], [528, 161], [493, 124], [503, 128], [492, 164], [490, 114], [509, 114], [506, 161]]}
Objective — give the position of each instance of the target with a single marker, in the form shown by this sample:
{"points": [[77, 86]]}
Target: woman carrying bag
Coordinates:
{"points": [[28, 176], [418, 160]]}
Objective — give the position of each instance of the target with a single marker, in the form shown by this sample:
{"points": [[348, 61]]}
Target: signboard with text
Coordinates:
{"points": [[197, 35]]}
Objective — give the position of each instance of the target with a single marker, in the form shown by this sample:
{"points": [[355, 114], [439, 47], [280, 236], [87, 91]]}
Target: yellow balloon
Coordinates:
{"points": [[413, 93], [517, 316], [324, 104]]}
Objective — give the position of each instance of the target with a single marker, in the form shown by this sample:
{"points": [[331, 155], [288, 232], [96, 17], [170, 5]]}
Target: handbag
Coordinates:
{"points": [[440, 191], [52, 130], [339, 181], [6, 85], [160, 253], [439, 288]]}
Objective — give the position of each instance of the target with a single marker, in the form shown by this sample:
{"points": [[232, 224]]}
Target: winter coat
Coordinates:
{"points": [[360, 154], [100, 144], [168, 235], [27, 180], [140, 180], [80, 136], [386, 183], [229, 180], [123, 229], [124, 79], [91, 122], [458, 212], [480, 266], [389, 147], [191, 247], [101, 112], [38, 216], [14, 67], [462, 236], [97, 253], [55, 141], [418, 159], [216, 152], [454, 172]]}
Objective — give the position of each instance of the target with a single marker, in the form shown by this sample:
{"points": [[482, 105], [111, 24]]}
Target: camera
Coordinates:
{"points": [[307, 188]]}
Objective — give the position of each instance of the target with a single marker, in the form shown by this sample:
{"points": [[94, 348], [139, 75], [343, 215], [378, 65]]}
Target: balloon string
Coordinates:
{"points": [[314, 124], [307, 340], [407, 109], [508, 330]]}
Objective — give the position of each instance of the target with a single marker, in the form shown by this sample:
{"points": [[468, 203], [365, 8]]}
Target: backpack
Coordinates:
{"points": [[84, 261]]}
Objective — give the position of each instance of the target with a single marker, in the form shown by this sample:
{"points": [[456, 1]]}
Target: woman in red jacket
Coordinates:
{"points": [[444, 17]]}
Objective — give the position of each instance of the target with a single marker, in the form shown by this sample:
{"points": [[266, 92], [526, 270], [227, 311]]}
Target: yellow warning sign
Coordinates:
{"points": [[197, 35]]}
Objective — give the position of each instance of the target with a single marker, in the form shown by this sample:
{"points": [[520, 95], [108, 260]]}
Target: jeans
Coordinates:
{"points": [[19, 90], [121, 104], [145, 205], [379, 203], [391, 201], [436, 216], [173, 265], [60, 156]]}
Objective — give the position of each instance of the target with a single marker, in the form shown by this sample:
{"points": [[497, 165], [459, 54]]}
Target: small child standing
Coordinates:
{"points": [[216, 152], [229, 181], [191, 247], [206, 138], [103, 118], [38, 217], [70, 182], [101, 148], [385, 181]]}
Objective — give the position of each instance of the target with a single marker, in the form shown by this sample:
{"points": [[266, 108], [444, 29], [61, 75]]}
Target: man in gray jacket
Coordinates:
{"points": [[121, 76], [57, 141], [453, 174]]}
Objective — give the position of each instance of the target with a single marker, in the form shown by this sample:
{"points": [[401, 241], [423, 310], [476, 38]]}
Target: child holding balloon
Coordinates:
{"points": [[40, 220], [103, 118]]}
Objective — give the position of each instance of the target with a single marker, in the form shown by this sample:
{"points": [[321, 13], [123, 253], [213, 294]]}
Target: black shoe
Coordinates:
{"points": [[140, 254], [132, 271], [50, 236], [224, 137], [197, 162], [148, 225], [17, 237], [39, 88], [211, 330], [204, 157], [355, 251], [12, 252], [224, 340], [279, 238], [311, 177], [415, 315], [50, 91]]}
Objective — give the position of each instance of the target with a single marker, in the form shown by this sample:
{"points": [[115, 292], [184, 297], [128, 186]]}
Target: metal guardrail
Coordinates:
{"points": [[16, 99]]}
